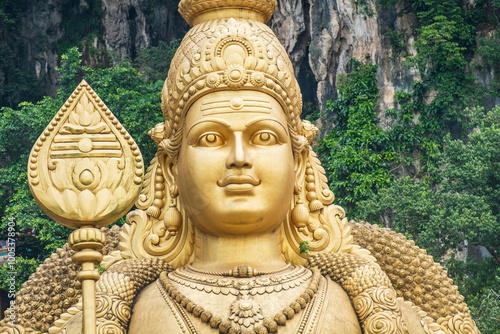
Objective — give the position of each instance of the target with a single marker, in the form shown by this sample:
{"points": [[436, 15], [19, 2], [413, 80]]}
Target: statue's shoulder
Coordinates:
{"points": [[337, 312], [148, 311], [153, 311]]}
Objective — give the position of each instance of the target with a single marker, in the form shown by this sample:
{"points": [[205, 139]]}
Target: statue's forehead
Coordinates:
{"points": [[224, 105]]}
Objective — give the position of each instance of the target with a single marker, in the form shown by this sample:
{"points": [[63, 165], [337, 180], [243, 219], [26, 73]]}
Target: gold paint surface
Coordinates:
{"points": [[247, 103], [199, 11]]}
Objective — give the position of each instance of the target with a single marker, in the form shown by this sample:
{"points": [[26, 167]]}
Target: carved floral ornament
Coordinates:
{"points": [[85, 169]]}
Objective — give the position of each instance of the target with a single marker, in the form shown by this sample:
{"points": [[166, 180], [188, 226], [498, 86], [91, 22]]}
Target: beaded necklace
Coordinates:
{"points": [[245, 316], [240, 271], [230, 285]]}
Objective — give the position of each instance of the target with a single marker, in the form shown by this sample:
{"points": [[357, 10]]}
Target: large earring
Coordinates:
{"points": [[155, 209], [172, 218], [311, 196], [300, 215]]}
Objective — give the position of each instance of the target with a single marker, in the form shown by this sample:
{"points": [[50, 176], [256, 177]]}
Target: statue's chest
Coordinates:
{"points": [[294, 303]]}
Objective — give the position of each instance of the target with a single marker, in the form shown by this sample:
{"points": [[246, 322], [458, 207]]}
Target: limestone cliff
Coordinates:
{"points": [[321, 36], [104, 29]]}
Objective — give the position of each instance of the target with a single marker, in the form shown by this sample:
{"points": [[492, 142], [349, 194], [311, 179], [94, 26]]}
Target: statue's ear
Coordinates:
{"points": [[300, 160], [169, 167]]}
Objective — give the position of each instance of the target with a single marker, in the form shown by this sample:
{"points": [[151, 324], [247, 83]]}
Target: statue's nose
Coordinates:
{"points": [[238, 156]]}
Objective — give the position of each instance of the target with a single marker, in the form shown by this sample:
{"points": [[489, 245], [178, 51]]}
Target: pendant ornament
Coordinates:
{"points": [[246, 314]]}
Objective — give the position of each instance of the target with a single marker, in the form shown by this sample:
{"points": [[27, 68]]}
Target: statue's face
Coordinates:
{"points": [[236, 168]]}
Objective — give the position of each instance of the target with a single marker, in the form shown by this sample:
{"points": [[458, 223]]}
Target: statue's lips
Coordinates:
{"points": [[238, 182]]}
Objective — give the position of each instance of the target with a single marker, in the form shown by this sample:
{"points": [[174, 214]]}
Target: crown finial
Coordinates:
{"points": [[199, 11]]}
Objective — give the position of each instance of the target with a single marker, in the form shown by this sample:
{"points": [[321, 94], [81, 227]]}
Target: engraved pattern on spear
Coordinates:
{"points": [[92, 166]]}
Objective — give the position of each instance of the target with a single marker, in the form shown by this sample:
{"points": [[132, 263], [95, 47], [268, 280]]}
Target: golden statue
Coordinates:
{"points": [[235, 230]]}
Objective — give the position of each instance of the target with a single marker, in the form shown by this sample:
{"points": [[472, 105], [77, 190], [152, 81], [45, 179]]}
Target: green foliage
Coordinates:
{"points": [[23, 268], [458, 197], [472, 170], [474, 277], [304, 247], [154, 62], [19, 129], [439, 45], [386, 3], [398, 42], [310, 112], [480, 283], [356, 152], [100, 269], [364, 7], [79, 22], [18, 79], [489, 49], [486, 311], [133, 99], [465, 205], [405, 206], [11, 12], [437, 103], [71, 72]]}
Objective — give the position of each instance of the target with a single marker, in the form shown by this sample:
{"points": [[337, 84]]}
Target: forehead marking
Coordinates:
{"points": [[238, 104]]}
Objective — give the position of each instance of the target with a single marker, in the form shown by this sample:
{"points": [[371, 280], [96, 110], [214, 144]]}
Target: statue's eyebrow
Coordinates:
{"points": [[262, 119], [210, 120]]}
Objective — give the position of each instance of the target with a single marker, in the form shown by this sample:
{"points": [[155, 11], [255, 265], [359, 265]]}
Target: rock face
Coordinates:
{"points": [[326, 34], [131, 25], [124, 27], [40, 28], [321, 36]]}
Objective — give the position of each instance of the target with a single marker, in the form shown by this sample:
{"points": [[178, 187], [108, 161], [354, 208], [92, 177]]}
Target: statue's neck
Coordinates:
{"points": [[222, 253]]}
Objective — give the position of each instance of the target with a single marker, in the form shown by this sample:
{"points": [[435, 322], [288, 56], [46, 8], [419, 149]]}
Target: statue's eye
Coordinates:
{"points": [[264, 138], [210, 140]]}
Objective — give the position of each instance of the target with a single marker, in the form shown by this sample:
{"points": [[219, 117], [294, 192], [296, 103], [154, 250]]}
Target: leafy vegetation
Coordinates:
{"points": [[489, 48], [75, 28], [364, 7], [356, 151], [16, 84], [463, 207], [151, 61], [446, 89], [455, 204]]}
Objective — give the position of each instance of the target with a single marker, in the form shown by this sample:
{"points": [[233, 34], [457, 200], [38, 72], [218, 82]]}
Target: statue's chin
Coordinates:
{"points": [[239, 215], [238, 224]]}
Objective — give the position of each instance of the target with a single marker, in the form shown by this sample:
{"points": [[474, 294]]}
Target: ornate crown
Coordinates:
{"points": [[222, 53]]}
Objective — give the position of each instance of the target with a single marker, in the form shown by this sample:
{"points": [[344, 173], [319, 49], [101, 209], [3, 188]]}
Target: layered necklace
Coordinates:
{"points": [[244, 283]]}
